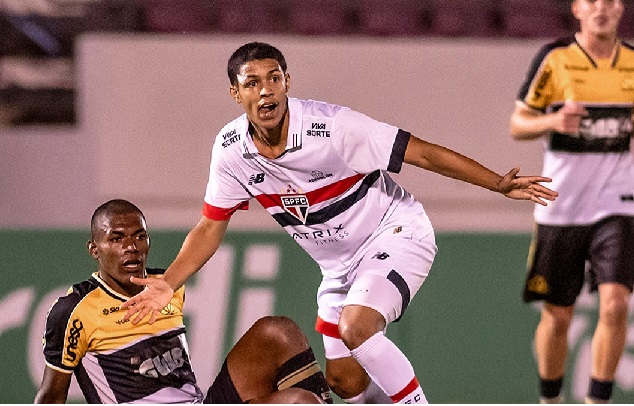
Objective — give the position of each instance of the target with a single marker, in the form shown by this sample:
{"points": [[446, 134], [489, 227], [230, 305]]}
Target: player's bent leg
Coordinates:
{"points": [[274, 354], [361, 329]]}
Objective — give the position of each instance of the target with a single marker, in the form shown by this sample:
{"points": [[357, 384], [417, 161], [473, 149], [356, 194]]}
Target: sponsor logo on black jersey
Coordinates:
{"points": [[319, 175], [162, 364], [230, 137], [256, 178], [296, 205], [318, 130], [73, 339]]}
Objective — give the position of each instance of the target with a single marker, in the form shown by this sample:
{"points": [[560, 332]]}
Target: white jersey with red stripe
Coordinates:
{"points": [[330, 190]]}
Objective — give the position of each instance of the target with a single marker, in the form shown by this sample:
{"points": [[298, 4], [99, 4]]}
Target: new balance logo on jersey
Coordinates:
{"points": [[297, 206], [381, 255], [257, 178]]}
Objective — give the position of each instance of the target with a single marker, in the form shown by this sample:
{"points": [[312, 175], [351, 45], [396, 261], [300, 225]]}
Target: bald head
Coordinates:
{"points": [[109, 209]]}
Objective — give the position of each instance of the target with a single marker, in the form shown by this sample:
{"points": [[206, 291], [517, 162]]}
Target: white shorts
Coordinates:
{"points": [[388, 274]]}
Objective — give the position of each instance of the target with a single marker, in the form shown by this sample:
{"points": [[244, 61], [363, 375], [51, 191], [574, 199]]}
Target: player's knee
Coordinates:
{"points": [[557, 318], [279, 331], [354, 331], [346, 385], [614, 311], [300, 396]]}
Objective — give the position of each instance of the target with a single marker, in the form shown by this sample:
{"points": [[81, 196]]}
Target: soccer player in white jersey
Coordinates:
{"points": [[321, 171]]}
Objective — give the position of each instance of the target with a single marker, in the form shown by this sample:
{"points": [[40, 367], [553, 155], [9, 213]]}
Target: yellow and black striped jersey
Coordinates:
{"points": [[592, 171], [564, 71], [115, 361]]}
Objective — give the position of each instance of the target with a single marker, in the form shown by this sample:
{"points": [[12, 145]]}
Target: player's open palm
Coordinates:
{"points": [[526, 187], [156, 295]]}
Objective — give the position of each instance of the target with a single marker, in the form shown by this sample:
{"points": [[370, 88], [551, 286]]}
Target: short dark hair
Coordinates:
{"points": [[249, 52], [111, 208]]}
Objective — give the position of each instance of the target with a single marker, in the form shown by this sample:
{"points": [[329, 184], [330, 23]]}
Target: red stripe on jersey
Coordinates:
{"points": [[327, 329], [411, 387], [314, 196], [221, 214]]}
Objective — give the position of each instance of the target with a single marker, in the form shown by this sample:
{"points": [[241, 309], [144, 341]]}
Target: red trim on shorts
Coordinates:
{"points": [[411, 387], [327, 329], [221, 214]]}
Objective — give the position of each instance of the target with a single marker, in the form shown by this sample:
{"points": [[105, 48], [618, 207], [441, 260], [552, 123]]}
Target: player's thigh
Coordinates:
{"points": [[391, 273], [612, 251], [556, 264]]}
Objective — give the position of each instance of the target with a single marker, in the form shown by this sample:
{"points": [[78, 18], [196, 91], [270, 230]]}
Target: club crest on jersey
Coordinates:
{"points": [[296, 205]]}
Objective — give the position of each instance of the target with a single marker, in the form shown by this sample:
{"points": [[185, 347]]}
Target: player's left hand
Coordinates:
{"points": [[526, 187]]}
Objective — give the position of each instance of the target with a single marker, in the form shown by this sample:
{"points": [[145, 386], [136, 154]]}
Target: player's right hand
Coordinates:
{"points": [[568, 118], [156, 295]]}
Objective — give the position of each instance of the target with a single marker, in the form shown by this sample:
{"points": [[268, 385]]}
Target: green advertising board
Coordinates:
{"points": [[467, 332]]}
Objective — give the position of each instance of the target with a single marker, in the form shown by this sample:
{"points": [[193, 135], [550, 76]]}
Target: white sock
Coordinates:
{"points": [[386, 365], [372, 394]]}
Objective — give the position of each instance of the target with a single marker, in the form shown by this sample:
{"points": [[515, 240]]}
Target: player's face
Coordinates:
{"points": [[598, 17], [121, 247], [261, 90]]}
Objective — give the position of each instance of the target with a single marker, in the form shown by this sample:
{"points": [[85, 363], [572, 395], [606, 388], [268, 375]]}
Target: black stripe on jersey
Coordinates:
{"points": [[568, 143], [592, 140], [321, 216], [398, 151], [627, 45], [86, 385], [537, 61], [58, 318]]}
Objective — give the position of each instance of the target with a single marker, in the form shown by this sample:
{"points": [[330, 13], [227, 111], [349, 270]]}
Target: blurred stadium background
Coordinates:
{"points": [[122, 98]]}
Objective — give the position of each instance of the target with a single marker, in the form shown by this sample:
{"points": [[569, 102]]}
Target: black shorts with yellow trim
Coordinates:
{"points": [[562, 256]]}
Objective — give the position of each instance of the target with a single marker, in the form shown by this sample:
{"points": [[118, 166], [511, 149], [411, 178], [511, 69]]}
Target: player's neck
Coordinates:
{"points": [[598, 47], [271, 143]]}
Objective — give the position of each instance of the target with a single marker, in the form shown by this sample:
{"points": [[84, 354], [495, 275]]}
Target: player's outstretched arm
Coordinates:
{"points": [[199, 245], [449, 163]]}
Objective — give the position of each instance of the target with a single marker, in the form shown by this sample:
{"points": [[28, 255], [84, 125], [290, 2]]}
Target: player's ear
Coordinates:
{"points": [[287, 79], [92, 249], [233, 91]]}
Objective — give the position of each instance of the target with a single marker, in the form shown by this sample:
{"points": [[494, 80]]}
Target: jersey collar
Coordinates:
{"points": [[616, 51], [294, 139]]}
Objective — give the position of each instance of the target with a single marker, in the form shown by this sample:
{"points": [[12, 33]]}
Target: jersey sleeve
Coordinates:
{"points": [[538, 87], [367, 145], [65, 337], [224, 194]]}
